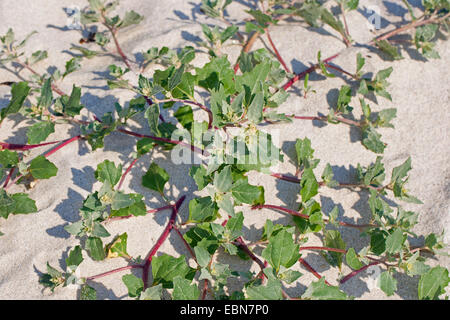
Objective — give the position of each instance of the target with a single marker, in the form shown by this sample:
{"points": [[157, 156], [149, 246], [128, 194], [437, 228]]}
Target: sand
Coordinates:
{"points": [[420, 93]]}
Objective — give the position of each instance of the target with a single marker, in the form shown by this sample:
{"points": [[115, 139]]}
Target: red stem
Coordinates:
{"points": [[300, 75], [312, 270], [23, 147], [304, 216], [122, 179], [205, 289], [354, 273], [131, 216], [339, 69], [49, 153], [161, 240], [119, 49], [291, 212], [11, 172], [239, 242], [188, 247], [192, 147], [277, 53], [104, 274], [323, 249]]}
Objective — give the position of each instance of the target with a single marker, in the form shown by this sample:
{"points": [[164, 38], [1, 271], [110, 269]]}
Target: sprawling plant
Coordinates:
{"points": [[236, 100]]}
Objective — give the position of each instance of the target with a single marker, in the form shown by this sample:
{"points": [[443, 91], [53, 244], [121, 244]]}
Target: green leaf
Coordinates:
{"points": [[41, 168], [175, 79], [217, 71], [351, 4], [144, 146], [88, 293], [378, 242], [118, 247], [319, 290], [328, 18], [223, 180], [183, 290], [72, 106], [344, 98], [165, 268], [134, 285], [395, 241], [281, 251], [19, 92], [95, 247], [304, 153], [385, 116], [6, 204], [107, 171], [198, 173], [121, 200], [243, 192], [46, 98], [75, 258], [289, 276], [255, 110], [353, 260], [40, 131], [37, 56], [203, 256], [360, 61], [185, 116], [383, 74], [387, 283], [401, 171], [328, 177], [152, 115], [136, 208], [333, 239], [155, 178], [228, 33], [309, 185], [234, 225], [71, 66], [202, 210], [152, 293], [270, 291], [23, 204], [371, 140], [374, 174], [433, 283], [130, 18], [389, 49], [8, 159]]}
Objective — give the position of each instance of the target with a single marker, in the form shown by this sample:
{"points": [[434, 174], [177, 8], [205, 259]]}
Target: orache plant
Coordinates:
{"points": [[237, 97]]}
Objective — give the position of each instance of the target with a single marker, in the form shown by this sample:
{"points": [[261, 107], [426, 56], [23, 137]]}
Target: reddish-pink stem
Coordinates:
{"points": [[291, 212], [11, 172], [104, 274], [239, 242], [312, 270], [23, 147], [122, 179], [161, 240], [130, 216], [300, 75], [354, 273], [182, 143], [188, 247], [304, 216], [339, 69], [277, 53], [49, 153], [323, 249]]}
